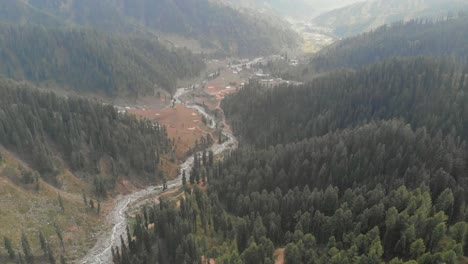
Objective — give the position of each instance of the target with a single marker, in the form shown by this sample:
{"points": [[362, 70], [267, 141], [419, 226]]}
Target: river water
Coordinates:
{"points": [[101, 252]]}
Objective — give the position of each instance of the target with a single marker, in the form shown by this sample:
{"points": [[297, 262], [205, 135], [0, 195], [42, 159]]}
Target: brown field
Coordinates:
{"points": [[221, 86], [183, 125]]}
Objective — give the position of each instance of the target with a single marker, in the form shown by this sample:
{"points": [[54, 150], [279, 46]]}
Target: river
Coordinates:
{"points": [[101, 252]]}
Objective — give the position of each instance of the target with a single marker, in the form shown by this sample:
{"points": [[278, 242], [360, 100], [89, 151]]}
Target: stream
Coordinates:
{"points": [[101, 252]]}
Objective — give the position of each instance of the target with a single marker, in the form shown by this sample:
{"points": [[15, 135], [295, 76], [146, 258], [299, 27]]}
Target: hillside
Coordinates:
{"points": [[364, 166], [93, 140], [32, 207], [60, 158], [214, 25], [371, 14], [446, 38], [437, 39], [358, 155], [294, 9], [415, 90], [88, 61]]}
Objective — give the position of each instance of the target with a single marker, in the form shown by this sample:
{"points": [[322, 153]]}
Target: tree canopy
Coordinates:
{"points": [[91, 61]]}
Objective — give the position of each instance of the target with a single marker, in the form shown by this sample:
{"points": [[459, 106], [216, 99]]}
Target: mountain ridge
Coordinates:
{"points": [[212, 23], [368, 15]]}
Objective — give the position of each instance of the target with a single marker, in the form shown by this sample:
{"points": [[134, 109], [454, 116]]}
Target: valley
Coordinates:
{"points": [[186, 106], [233, 132]]}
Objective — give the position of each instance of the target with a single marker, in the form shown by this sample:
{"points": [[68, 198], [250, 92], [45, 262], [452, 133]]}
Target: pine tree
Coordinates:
{"points": [[43, 242], [9, 247], [85, 201], [61, 202], [58, 231], [27, 249], [50, 254], [184, 178]]}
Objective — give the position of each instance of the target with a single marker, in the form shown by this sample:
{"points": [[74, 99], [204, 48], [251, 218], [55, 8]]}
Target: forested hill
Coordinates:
{"points": [[367, 15], [378, 192], [364, 166], [85, 60], [443, 38], [43, 129], [236, 32], [423, 92], [213, 24]]}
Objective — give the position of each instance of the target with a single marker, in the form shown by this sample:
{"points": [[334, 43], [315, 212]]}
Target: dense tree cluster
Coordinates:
{"points": [[389, 153], [171, 240], [423, 92], [88, 61], [41, 126], [409, 209], [379, 191], [354, 167]]}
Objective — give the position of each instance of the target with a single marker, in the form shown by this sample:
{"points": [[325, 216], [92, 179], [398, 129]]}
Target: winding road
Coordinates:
{"points": [[101, 252]]}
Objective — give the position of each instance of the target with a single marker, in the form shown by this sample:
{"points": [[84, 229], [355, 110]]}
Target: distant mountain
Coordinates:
{"points": [[368, 15], [88, 61], [295, 9], [415, 38], [214, 25], [446, 38]]}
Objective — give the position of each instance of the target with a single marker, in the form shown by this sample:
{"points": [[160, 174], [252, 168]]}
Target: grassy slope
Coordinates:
{"points": [[23, 209]]}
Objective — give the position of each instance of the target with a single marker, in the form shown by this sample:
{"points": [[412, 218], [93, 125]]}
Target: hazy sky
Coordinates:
{"points": [[300, 8], [324, 5], [308, 8]]}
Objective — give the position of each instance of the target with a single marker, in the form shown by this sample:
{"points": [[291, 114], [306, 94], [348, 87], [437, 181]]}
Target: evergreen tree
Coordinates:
{"points": [[29, 257], [62, 207], [43, 242], [9, 248], [58, 231]]}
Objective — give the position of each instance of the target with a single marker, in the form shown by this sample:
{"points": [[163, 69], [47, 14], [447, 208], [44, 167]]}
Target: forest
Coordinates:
{"points": [[443, 38], [44, 128], [259, 200], [213, 24], [366, 162], [420, 37], [89, 61], [235, 32], [424, 92], [365, 166]]}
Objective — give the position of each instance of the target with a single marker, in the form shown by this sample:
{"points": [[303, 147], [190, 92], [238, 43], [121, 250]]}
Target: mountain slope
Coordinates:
{"points": [[446, 38], [438, 39], [214, 25], [294, 9], [92, 139], [20, 12], [89, 61], [423, 92], [32, 207], [362, 17]]}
